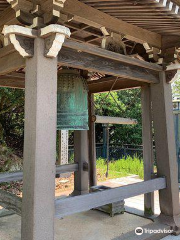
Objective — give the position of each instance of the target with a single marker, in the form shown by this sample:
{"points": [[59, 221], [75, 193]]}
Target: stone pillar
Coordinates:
{"points": [[40, 48], [148, 157], [165, 150], [39, 146], [81, 178]]}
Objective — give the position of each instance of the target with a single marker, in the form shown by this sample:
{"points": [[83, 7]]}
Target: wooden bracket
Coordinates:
{"points": [[171, 56], [54, 14], [171, 75], [23, 10], [105, 32], [54, 38], [153, 53], [37, 13], [165, 56], [22, 38]]}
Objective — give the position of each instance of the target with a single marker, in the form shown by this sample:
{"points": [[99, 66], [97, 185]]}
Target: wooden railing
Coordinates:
{"points": [[17, 176]]}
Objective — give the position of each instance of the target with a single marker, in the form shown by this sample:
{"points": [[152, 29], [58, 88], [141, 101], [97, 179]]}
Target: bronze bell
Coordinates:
{"points": [[72, 101]]}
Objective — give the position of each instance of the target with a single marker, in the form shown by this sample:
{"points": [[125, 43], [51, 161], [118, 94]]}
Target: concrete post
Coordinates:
{"points": [[39, 146], [81, 178], [165, 150], [148, 157], [92, 143]]}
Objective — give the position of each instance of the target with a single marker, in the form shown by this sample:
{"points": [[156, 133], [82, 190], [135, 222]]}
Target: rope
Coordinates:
{"points": [[100, 110], [103, 100]]}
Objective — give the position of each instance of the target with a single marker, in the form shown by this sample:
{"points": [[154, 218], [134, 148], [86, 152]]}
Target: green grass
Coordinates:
{"points": [[122, 167]]}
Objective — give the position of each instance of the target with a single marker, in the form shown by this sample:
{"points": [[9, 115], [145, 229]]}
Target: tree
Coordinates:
{"points": [[12, 118], [126, 104]]}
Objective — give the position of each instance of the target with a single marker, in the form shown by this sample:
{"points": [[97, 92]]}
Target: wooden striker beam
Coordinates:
{"points": [[113, 120]]}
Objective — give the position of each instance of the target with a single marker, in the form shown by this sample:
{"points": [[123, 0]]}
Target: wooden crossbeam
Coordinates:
{"points": [[86, 61], [11, 63], [18, 176], [106, 83], [7, 17], [96, 86], [92, 58], [97, 51], [72, 205], [176, 2], [12, 82], [93, 17], [10, 60]]}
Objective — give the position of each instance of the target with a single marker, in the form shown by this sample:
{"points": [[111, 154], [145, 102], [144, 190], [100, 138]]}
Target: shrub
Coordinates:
{"points": [[127, 165]]}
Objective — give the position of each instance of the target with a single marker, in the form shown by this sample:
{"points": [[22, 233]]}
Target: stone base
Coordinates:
{"points": [[113, 208], [172, 221]]}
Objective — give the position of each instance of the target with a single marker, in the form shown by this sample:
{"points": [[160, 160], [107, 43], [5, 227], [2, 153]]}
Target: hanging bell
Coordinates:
{"points": [[72, 101]]}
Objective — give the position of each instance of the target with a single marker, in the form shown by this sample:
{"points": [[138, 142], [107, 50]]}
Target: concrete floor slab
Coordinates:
{"points": [[172, 238], [91, 225]]}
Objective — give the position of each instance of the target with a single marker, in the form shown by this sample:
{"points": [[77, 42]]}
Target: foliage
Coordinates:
{"points": [[122, 167], [126, 104], [122, 104], [8, 160], [71, 158], [12, 118], [176, 88]]}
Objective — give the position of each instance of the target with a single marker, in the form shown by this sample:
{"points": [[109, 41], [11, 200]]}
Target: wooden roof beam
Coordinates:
{"points": [[73, 58], [10, 60], [12, 82], [106, 83], [84, 56], [101, 85], [93, 17], [176, 2], [87, 48]]}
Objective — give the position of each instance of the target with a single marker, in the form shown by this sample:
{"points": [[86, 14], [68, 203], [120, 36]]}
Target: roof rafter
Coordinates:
{"points": [[98, 19]]}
